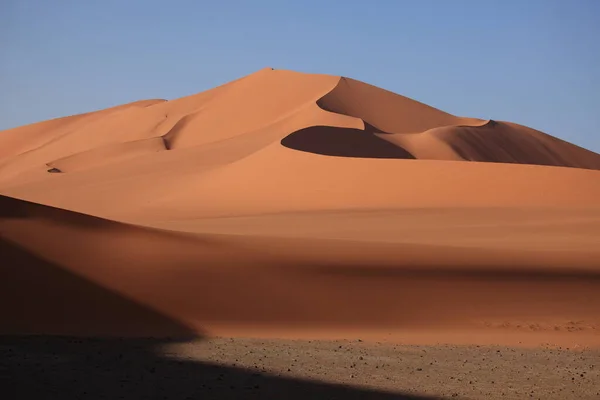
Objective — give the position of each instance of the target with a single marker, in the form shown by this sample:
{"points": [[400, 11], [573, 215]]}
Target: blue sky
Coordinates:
{"points": [[534, 62]]}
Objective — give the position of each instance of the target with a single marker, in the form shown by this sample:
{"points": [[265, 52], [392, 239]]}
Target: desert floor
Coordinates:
{"points": [[237, 368]]}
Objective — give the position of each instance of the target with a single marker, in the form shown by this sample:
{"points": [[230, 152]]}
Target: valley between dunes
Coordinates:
{"points": [[296, 205]]}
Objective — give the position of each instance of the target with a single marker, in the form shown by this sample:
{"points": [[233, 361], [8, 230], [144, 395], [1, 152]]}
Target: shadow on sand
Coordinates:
{"points": [[49, 316], [70, 368], [344, 142]]}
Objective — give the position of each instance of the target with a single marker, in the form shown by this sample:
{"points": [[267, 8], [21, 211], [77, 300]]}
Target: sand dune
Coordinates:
{"points": [[223, 284], [294, 202], [267, 97]]}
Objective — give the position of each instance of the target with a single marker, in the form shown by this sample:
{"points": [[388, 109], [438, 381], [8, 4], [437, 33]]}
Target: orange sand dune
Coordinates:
{"points": [[289, 201], [150, 282], [253, 104]]}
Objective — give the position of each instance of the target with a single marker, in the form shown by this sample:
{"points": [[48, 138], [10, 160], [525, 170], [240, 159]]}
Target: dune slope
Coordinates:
{"points": [[227, 284]]}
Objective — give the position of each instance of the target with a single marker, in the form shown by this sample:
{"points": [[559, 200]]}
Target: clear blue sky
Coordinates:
{"points": [[534, 62]]}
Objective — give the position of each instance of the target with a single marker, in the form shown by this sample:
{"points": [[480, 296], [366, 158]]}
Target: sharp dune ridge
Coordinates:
{"points": [[302, 202]]}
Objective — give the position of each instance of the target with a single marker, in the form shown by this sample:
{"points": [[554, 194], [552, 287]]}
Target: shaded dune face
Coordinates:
{"points": [[343, 142], [503, 142], [43, 296]]}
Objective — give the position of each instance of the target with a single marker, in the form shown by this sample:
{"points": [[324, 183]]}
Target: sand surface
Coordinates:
{"points": [[290, 205]]}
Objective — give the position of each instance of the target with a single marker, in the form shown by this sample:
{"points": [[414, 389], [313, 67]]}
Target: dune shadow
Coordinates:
{"points": [[343, 142], [62, 336], [13, 208], [75, 368], [498, 142], [39, 297]]}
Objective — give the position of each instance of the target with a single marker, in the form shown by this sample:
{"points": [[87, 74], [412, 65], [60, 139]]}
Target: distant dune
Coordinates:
{"points": [[293, 202]]}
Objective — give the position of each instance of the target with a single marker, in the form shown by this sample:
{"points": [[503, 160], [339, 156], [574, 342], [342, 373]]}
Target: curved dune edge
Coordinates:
{"points": [[228, 284], [387, 111]]}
